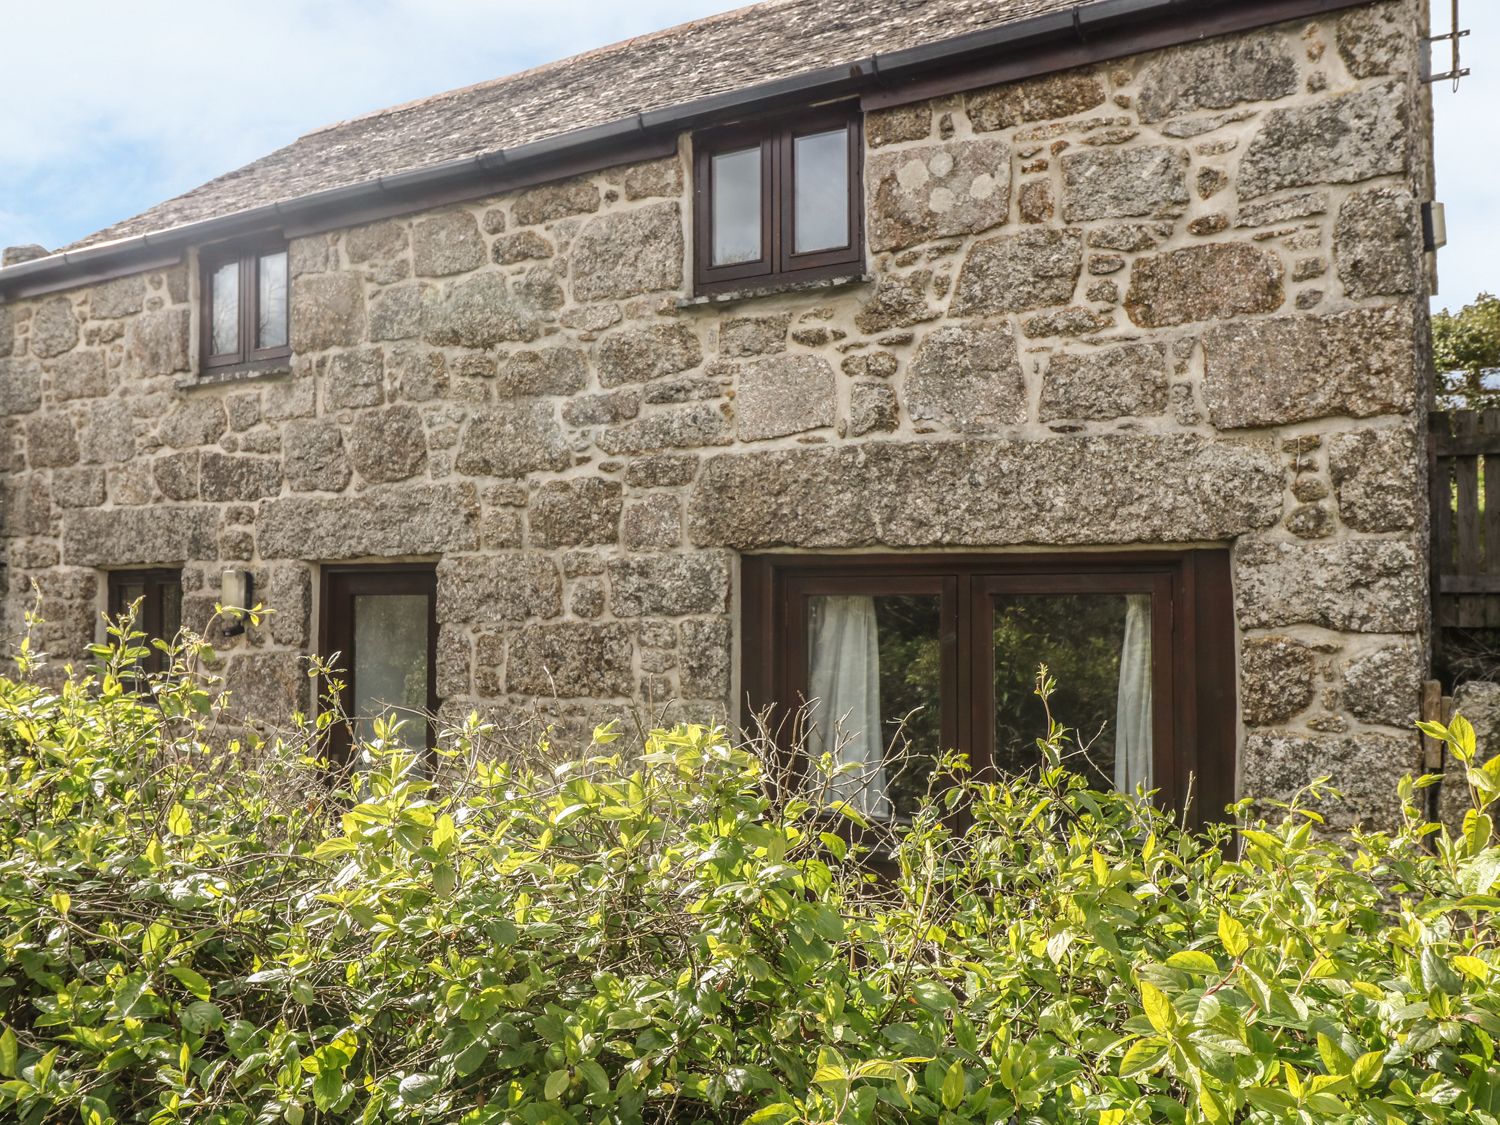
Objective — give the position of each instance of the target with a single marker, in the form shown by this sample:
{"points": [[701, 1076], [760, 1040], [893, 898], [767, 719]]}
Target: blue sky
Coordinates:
{"points": [[110, 107]]}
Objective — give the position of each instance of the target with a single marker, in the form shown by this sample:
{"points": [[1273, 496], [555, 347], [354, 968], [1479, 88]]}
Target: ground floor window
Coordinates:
{"points": [[158, 614], [884, 660], [379, 628]]}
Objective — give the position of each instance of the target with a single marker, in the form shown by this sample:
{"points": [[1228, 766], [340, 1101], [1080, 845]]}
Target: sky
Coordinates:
{"points": [[110, 107]]}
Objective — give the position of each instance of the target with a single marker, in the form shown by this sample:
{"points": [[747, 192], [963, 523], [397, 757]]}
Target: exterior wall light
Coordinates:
{"points": [[236, 591]]}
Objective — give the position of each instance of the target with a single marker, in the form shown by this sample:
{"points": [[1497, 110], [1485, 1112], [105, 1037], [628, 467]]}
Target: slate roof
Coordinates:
{"points": [[732, 51]]}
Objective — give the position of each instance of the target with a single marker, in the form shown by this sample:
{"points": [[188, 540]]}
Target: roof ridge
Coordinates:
{"points": [[542, 68]]}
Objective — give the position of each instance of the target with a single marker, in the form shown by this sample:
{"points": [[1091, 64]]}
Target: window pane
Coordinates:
{"points": [[126, 591], [271, 301], [225, 292], [736, 206], [171, 609], [390, 663], [820, 190], [875, 683], [1098, 648]]}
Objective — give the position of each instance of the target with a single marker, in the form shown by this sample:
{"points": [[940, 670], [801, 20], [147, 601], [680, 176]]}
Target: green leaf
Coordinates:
{"points": [[1461, 737], [1193, 961], [1057, 946], [179, 823], [934, 997], [1437, 974], [1270, 1098], [444, 833], [133, 998], [200, 1017], [827, 922], [1472, 967], [1211, 1107], [328, 1088], [1333, 1056], [777, 1113], [592, 1073], [194, 982], [9, 1053], [416, 1088], [1366, 1069], [1158, 1007], [1233, 935], [338, 845], [61, 902], [41, 1070], [557, 1083], [626, 1019], [1143, 1056], [954, 1086], [471, 1058]]}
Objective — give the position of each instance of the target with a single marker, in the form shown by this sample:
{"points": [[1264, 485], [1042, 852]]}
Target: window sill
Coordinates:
{"points": [[749, 292], [219, 376]]}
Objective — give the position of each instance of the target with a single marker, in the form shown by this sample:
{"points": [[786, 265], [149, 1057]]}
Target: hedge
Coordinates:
{"points": [[200, 929]]}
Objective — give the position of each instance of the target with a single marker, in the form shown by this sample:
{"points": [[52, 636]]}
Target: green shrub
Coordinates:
{"points": [[232, 934]]}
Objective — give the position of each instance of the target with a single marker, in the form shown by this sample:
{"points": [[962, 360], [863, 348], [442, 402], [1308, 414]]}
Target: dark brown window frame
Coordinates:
{"points": [[338, 586], [156, 581], [1195, 685], [248, 255], [778, 262]]}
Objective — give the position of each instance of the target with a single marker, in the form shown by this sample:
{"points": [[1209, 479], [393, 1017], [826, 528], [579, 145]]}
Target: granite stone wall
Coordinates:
{"points": [[1176, 299]]}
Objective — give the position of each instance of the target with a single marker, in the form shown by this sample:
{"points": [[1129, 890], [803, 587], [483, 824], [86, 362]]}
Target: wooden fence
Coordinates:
{"points": [[1464, 459]]}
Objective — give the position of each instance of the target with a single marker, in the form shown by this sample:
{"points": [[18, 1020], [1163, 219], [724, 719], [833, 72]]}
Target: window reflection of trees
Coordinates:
{"points": [[911, 671], [1079, 638]]}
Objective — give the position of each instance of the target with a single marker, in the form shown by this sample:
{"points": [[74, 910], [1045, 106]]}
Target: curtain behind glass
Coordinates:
{"points": [[844, 693], [1133, 703], [390, 664]]}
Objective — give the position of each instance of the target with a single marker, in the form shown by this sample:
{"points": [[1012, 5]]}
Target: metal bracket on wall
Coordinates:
{"points": [[1456, 69]]}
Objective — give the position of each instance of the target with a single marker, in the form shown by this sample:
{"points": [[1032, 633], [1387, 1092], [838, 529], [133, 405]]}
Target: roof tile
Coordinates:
{"points": [[722, 53]]}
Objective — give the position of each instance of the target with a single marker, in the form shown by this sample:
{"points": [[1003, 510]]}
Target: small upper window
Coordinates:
{"points": [[244, 311], [778, 202]]}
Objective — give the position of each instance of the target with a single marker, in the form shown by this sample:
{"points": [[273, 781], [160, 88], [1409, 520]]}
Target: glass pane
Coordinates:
{"points": [[127, 591], [390, 663], [225, 291], [820, 190], [875, 685], [271, 302], [736, 206], [1098, 649], [171, 609]]}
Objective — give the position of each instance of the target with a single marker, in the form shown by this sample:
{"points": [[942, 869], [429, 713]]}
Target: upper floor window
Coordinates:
{"points": [[778, 202], [245, 314]]}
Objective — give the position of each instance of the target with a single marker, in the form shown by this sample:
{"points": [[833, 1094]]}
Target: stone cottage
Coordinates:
{"points": [[853, 354]]}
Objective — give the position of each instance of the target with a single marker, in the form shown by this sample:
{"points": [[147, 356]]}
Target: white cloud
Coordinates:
{"points": [[112, 107]]}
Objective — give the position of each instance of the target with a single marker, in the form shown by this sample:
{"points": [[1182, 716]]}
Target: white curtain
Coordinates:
{"points": [[844, 693], [1133, 703]]}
